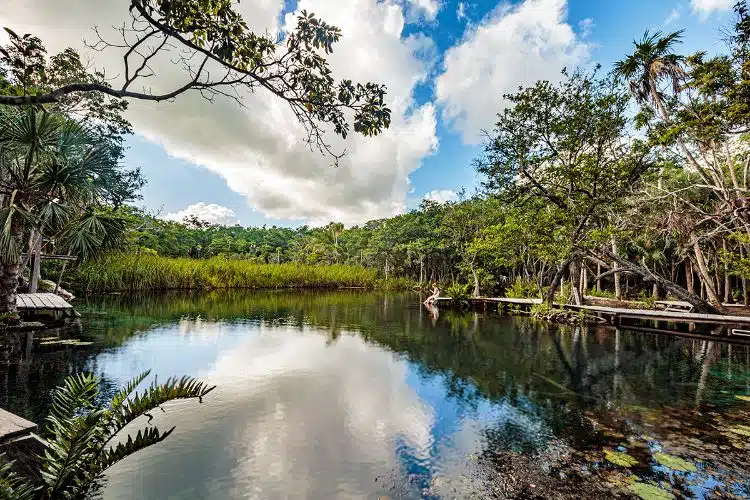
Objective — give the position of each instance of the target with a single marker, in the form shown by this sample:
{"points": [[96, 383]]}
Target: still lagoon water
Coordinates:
{"points": [[361, 395]]}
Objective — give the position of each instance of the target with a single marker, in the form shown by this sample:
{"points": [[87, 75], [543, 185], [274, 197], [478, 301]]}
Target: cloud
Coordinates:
{"points": [[706, 7], [673, 16], [262, 433], [423, 9], [441, 196], [461, 10], [586, 26], [215, 214], [513, 46], [259, 150]]}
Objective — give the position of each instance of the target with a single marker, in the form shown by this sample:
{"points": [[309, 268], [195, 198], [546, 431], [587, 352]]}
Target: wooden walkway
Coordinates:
{"points": [[667, 314], [12, 426], [41, 301]]}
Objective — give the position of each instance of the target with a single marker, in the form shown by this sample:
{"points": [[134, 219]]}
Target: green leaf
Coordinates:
{"points": [[620, 458], [674, 463]]}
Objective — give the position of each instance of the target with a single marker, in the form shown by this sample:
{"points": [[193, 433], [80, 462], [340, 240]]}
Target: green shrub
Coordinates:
{"points": [[458, 292], [523, 289], [604, 294]]}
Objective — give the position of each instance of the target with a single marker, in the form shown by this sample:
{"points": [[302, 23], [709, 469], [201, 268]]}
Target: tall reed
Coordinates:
{"points": [[152, 272]]}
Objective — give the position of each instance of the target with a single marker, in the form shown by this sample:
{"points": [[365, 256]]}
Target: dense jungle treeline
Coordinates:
{"points": [[629, 181]]}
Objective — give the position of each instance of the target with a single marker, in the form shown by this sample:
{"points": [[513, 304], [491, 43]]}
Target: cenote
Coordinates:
{"points": [[368, 395]]}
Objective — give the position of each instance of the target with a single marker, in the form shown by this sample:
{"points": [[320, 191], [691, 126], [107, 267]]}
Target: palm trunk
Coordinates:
{"points": [[10, 270]]}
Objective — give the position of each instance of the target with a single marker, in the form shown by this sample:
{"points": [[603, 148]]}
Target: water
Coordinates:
{"points": [[362, 395]]}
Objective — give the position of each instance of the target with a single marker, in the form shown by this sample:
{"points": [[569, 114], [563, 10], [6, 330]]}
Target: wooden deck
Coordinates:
{"points": [[667, 314], [41, 301], [12, 426]]}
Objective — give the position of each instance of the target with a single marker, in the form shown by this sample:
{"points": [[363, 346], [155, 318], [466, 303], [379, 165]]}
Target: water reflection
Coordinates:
{"points": [[355, 395]]}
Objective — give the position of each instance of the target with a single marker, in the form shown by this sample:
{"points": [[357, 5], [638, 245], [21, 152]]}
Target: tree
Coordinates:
{"points": [[55, 179], [653, 61], [565, 145], [219, 55], [83, 437]]}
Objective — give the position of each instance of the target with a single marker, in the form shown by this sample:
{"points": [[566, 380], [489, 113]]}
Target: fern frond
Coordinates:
{"points": [[12, 485], [126, 391], [145, 438], [74, 397], [158, 394]]}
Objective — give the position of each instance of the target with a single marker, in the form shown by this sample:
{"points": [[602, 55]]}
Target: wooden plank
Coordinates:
{"points": [[664, 315], [53, 257], [43, 301], [12, 426]]}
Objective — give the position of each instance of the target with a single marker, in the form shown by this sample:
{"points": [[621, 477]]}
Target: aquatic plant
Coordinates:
{"points": [[620, 458], [83, 438], [151, 272], [650, 492], [674, 463]]}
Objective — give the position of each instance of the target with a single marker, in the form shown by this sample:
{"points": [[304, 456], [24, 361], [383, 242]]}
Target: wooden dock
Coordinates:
{"points": [[13, 427], [41, 301], [666, 314], [40, 305]]}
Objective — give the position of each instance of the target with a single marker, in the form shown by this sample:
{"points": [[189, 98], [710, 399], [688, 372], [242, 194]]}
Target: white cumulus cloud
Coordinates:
{"points": [[513, 46], [424, 9], [441, 196], [259, 150], [213, 213], [709, 6]]}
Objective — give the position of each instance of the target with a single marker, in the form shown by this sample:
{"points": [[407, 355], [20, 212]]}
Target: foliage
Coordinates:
{"points": [[674, 463], [523, 289], [150, 272], [458, 292], [84, 438], [220, 56], [620, 458]]}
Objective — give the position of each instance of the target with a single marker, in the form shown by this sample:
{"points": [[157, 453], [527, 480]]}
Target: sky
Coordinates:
{"points": [[446, 63]]}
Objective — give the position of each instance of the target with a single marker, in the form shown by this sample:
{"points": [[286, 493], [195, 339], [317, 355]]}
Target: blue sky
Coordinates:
{"points": [[606, 28]]}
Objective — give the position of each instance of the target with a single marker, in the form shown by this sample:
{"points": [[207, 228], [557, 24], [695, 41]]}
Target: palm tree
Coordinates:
{"points": [[652, 61], [56, 177], [83, 437]]}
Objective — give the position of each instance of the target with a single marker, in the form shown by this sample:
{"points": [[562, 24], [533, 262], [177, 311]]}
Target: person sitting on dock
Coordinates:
{"points": [[435, 294]]}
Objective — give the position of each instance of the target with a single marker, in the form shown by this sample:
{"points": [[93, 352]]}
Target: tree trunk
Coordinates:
{"points": [[745, 298], [618, 291], [728, 296], [9, 286], [556, 280], [421, 271], [584, 281], [700, 305], [386, 267], [689, 276], [36, 265], [476, 291], [705, 276], [598, 279]]}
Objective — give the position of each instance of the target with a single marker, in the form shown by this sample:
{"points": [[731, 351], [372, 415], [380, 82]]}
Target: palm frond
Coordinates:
{"points": [[145, 438], [157, 395]]}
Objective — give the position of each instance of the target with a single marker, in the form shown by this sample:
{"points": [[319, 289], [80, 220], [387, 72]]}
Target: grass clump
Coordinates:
{"points": [[151, 272]]}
